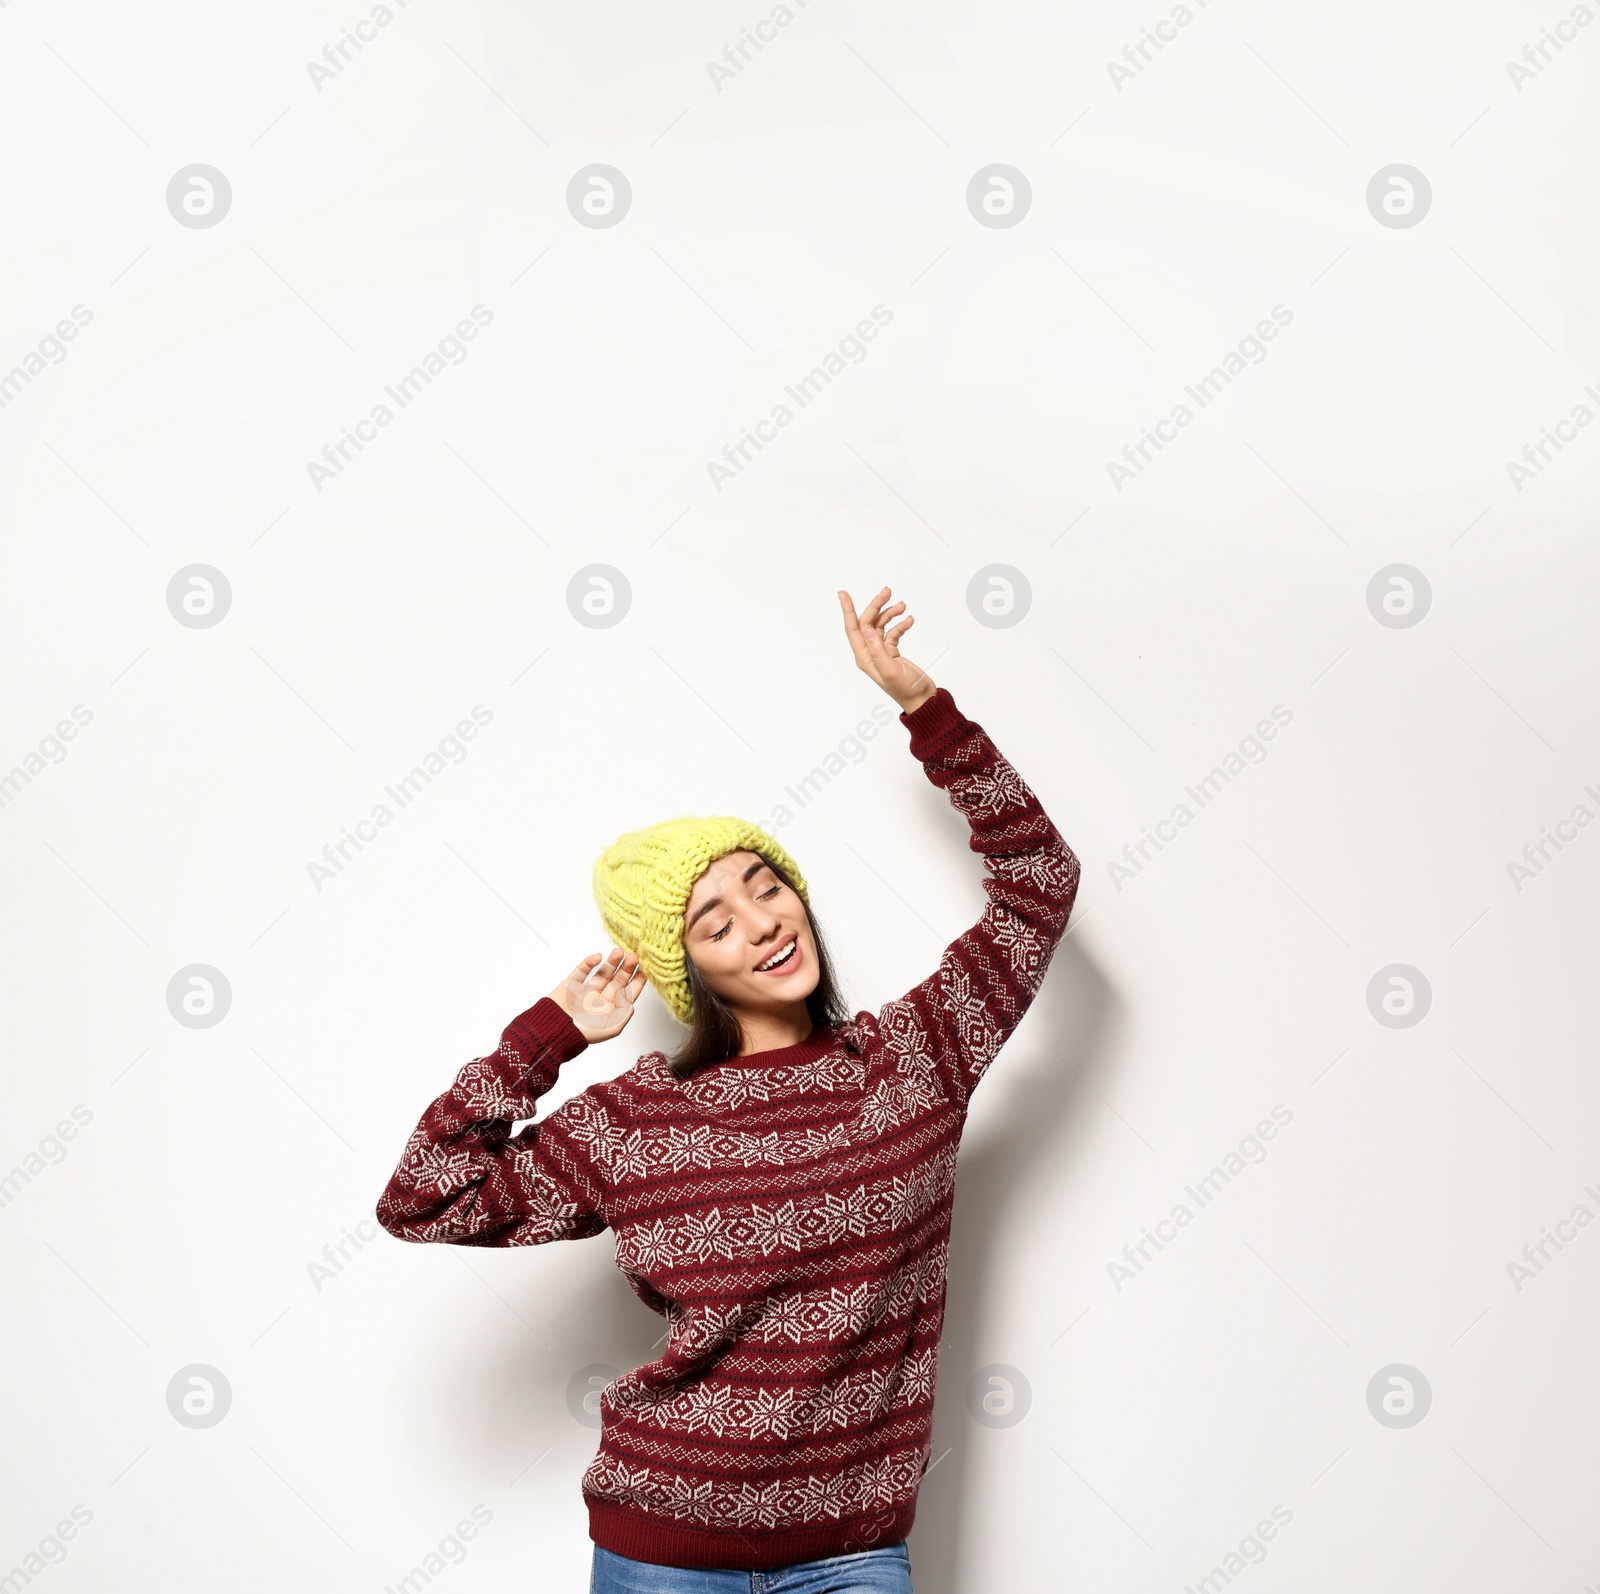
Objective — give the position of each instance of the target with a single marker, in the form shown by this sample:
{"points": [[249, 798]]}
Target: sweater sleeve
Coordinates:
{"points": [[465, 1179], [963, 1012]]}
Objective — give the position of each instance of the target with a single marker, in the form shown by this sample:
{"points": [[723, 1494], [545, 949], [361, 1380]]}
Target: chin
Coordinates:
{"points": [[765, 994]]}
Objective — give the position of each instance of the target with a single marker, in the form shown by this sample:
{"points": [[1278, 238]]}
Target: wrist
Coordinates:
{"points": [[924, 694]]}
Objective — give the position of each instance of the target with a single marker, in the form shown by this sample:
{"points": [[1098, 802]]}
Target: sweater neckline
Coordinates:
{"points": [[820, 1040]]}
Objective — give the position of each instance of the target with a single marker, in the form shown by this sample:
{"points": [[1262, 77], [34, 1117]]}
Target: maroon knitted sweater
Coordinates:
{"points": [[787, 1212]]}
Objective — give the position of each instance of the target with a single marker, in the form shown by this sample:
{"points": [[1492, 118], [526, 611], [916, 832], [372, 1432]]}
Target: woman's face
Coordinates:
{"points": [[749, 935]]}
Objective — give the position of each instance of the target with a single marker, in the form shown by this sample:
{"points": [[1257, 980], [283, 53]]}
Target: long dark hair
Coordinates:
{"points": [[714, 1032]]}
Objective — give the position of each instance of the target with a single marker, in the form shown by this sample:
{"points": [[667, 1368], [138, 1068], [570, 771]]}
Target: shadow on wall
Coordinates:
{"points": [[501, 1388], [1045, 1121]]}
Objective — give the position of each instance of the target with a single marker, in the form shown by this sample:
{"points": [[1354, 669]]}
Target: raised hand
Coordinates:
{"points": [[875, 641], [598, 995]]}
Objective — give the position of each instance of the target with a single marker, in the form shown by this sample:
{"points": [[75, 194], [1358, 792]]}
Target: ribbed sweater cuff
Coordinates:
{"points": [[933, 722], [546, 1028]]}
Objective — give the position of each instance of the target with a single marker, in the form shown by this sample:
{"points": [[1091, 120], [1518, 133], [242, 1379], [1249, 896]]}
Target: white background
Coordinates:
{"points": [[1168, 615]]}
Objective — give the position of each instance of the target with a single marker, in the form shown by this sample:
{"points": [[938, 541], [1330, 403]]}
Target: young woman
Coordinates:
{"points": [[780, 1191]]}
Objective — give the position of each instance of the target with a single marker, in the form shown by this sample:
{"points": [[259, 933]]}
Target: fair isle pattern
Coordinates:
{"points": [[908, 1429], [636, 1155], [758, 1412], [740, 1230], [788, 1214], [850, 1492], [719, 1090]]}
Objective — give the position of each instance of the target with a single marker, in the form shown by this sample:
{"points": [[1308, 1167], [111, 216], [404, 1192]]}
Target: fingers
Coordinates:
{"points": [[878, 614], [600, 991], [869, 615], [593, 972], [619, 975], [614, 1003], [852, 621], [852, 630], [892, 640], [874, 638]]}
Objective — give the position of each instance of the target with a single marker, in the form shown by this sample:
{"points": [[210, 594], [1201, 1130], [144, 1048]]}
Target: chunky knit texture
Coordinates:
{"points": [[787, 1212], [642, 883]]}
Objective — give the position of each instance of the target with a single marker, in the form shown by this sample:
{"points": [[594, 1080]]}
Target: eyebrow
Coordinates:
{"points": [[713, 902]]}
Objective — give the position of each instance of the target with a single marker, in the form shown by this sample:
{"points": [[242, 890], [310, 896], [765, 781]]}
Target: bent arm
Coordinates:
{"points": [[464, 1179], [966, 1009]]}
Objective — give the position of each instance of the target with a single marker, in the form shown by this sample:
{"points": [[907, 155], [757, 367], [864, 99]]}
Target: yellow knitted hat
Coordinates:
{"points": [[642, 883]]}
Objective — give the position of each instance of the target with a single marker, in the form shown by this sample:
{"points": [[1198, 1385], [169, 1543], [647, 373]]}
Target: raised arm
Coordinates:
{"points": [[464, 1178], [986, 979], [964, 1011]]}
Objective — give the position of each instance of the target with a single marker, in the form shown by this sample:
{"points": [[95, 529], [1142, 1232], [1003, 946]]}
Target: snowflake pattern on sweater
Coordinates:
{"points": [[788, 1213]]}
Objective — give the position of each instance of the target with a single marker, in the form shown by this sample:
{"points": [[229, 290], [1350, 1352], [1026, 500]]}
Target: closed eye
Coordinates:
{"points": [[717, 935]]}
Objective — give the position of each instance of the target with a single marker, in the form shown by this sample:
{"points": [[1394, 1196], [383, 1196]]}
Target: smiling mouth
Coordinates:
{"points": [[781, 959]]}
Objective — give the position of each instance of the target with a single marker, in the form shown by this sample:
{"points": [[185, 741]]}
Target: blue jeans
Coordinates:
{"points": [[885, 1570]]}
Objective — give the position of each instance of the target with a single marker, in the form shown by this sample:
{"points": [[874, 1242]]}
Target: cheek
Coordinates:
{"points": [[723, 971], [718, 957]]}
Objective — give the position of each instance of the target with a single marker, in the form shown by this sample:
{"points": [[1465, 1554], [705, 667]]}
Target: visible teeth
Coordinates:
{"points": [[781, 957]]}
